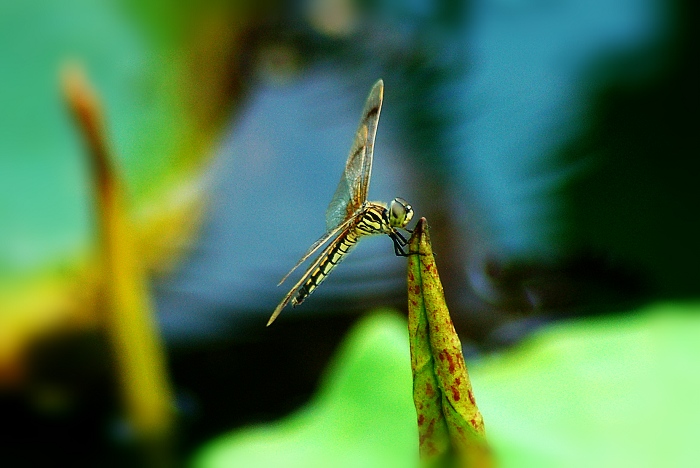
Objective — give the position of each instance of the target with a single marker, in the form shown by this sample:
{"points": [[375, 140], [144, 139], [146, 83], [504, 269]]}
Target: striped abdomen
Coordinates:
{"points": [[370, 221]]}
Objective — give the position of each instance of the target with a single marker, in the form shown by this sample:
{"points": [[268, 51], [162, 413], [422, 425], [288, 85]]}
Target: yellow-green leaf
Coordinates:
{"points": [[450, 426]]}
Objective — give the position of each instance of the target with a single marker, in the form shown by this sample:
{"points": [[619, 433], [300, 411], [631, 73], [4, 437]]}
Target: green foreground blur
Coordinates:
{"points": [[613, 391]]}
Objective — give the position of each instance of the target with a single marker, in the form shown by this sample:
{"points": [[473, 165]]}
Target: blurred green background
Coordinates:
{"points": [[551, 146]]}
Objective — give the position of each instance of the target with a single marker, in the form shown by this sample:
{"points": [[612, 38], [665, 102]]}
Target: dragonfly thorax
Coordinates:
{"points": [[400, 213]]}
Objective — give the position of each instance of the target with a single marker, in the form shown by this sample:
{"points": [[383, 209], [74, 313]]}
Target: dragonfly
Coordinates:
{"points": [[350, 217]]}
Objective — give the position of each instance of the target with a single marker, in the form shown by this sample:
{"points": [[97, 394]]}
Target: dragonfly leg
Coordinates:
{"points": [[399, 243], [400, 236]]}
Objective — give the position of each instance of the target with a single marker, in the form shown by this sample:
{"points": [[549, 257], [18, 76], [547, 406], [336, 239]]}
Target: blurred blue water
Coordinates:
{"points": [[531, 70], [529, 91]]}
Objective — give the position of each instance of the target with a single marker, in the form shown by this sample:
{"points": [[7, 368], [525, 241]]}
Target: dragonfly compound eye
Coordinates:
{"points": [[400, 212]]}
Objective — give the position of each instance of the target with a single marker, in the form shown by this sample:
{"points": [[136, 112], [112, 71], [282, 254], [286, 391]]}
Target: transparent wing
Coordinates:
{"points": [[354, 183], [314, 247], [306, 274], [343, 204]]}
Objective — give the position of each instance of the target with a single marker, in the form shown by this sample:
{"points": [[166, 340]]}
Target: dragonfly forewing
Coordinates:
{"points": [[354, 184], [370, 118], [342, 205]]}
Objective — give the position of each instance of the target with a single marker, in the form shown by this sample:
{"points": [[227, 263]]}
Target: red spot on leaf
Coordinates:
{"points": [[429, 390], [471, 397], [450, 359], [455, 393], [431, 428], [421, 419], [427, 433], [432, 450]]}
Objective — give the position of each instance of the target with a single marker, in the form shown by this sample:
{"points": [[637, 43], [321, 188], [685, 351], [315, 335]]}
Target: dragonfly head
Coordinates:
{"points": [[400, 213]]}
